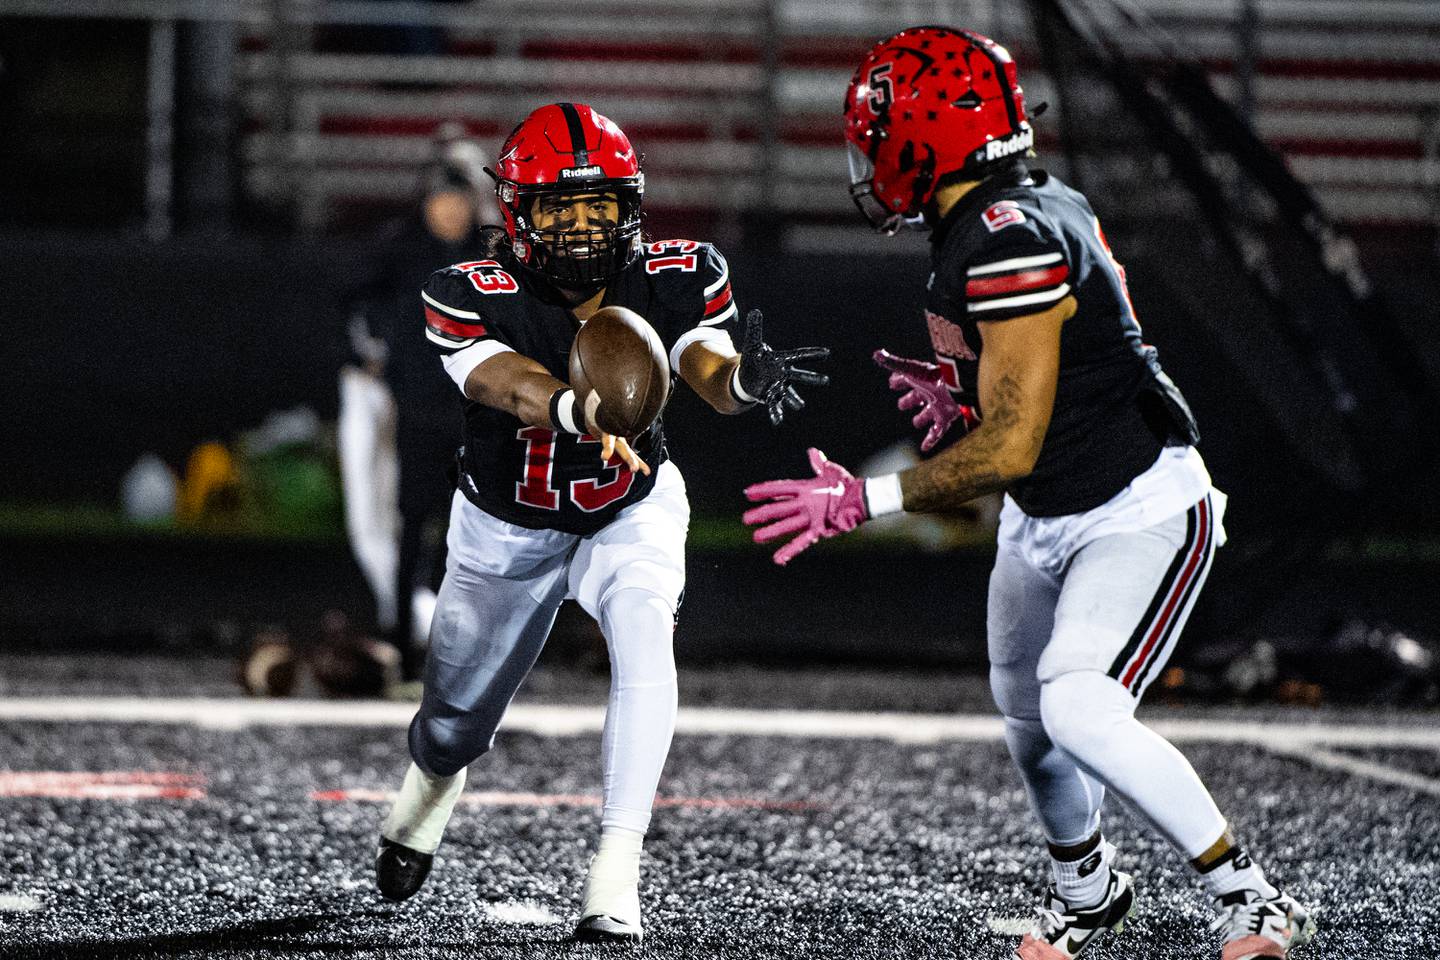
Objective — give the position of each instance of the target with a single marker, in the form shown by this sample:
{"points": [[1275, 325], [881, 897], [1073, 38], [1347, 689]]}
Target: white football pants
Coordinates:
{"points": [[1084, 612], [503, 585]]}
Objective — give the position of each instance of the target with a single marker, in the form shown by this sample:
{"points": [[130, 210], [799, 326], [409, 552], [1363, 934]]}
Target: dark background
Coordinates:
{"points": [[117, 344]]}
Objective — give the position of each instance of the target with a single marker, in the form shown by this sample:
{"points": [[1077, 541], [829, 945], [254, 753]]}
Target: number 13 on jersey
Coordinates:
{"points": [[537, 487]]}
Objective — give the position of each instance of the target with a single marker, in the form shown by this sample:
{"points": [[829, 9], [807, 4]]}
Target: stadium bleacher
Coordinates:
{"points": [[1354, 106], [331, 137]]}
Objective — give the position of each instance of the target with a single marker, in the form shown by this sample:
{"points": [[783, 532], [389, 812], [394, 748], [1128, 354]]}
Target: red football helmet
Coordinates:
{"points": [[568, 148], [927, 102]]}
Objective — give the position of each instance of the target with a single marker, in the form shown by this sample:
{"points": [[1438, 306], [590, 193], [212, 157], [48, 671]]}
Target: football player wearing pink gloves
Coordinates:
{"points": [[1042, 388]]}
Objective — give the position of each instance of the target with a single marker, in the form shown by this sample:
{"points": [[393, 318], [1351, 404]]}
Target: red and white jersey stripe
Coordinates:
{"points": [[719, 301], [450, 327], [1015, 286]]}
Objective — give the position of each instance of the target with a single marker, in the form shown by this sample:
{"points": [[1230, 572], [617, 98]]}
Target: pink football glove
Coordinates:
{"points": [[830, 503], [927, 390]]}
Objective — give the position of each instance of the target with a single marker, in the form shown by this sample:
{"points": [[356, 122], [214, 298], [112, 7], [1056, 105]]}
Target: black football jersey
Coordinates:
{"points": [[1019, 244], [534, 476]]}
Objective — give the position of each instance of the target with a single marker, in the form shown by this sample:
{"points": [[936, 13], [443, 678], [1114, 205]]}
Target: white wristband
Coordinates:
{"points": [[738, 390], [562, 411], [883, 496]]}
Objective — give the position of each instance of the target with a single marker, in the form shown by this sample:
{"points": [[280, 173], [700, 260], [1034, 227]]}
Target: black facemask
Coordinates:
{"points": [[583, 259]]}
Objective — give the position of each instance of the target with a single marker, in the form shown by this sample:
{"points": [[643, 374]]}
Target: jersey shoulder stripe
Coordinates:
{"points": [[445, 328], [1034, 301], [445, 325], [455, 312], [720, 307], [1010, 264], [1020, 281], [720, 278], [1026, 273]]}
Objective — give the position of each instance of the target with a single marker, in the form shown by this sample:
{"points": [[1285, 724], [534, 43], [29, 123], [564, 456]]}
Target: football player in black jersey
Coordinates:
{"points": [[1042, 388], [549, 506]]}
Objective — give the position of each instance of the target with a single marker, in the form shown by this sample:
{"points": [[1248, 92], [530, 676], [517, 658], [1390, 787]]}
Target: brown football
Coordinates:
{"points": [[618, 364]]}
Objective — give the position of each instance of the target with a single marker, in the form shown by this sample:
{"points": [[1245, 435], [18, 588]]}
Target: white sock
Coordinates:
{"points": [[1081, 883], [1236, 871], [612, 887], [422, 809]]}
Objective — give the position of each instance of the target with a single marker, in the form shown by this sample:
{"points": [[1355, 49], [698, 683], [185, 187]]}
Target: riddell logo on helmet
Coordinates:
{"points": [[573, 172], [1015, 143]]}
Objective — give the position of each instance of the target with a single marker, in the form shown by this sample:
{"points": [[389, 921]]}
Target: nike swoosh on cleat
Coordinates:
{"points": [[1072, 947]]}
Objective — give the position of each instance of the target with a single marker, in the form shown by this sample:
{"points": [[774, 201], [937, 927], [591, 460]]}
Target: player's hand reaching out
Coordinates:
{"points": [[769, 376], [925, 388], [828, 504], [612, 446]]}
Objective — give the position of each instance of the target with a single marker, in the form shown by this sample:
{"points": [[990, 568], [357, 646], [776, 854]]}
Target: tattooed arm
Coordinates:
{"points": [[1018, 368]]}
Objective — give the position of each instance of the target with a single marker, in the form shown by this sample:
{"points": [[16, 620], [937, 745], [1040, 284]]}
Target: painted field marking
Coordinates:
{"points": [[495, 798], [19, 903], [564, 720], [521, 914], [1304, 741], [1355, 766], [1010, 926], [104, 785]]}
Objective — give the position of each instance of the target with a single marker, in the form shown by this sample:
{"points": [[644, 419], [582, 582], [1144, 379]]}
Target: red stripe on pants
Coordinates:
{"points": [[1169, 611]]}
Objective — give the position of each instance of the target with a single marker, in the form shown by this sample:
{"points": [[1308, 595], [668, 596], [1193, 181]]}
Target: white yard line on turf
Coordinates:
{"points": [[1010, 926], [522, 914], [562, 720], [18, 903], [1330, 760]]}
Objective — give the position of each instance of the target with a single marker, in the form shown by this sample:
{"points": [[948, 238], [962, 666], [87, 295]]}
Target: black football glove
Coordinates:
{"points": [[770, 375]]}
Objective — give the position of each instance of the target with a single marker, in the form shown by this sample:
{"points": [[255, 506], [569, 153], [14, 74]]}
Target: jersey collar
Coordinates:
{"points": [[976, 200]]}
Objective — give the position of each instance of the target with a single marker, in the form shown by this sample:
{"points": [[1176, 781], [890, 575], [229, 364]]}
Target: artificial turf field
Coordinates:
{"points": [[171, 825]]}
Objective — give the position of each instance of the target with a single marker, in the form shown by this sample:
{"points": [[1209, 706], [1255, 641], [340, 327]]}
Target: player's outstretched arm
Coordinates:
{"points": [[1018, 371], [520, 386], [1019, 366], [709, 367], [757, 374]]}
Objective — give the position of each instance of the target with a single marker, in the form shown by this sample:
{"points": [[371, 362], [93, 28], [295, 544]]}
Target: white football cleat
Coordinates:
{"points": [[1256, 926], [411, 833], [611, 909], [1061, 932]]}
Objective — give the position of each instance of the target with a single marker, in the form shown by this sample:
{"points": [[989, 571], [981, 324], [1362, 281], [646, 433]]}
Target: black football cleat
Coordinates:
{"points": [[400, 871], [604, 929]]}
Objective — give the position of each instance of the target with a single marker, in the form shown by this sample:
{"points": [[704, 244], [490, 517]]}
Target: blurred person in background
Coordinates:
{"points": [[1043, 388], [399, 417]]}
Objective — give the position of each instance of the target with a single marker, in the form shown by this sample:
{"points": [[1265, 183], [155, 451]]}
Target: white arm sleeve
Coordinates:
{"points": [[461, 362]]}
